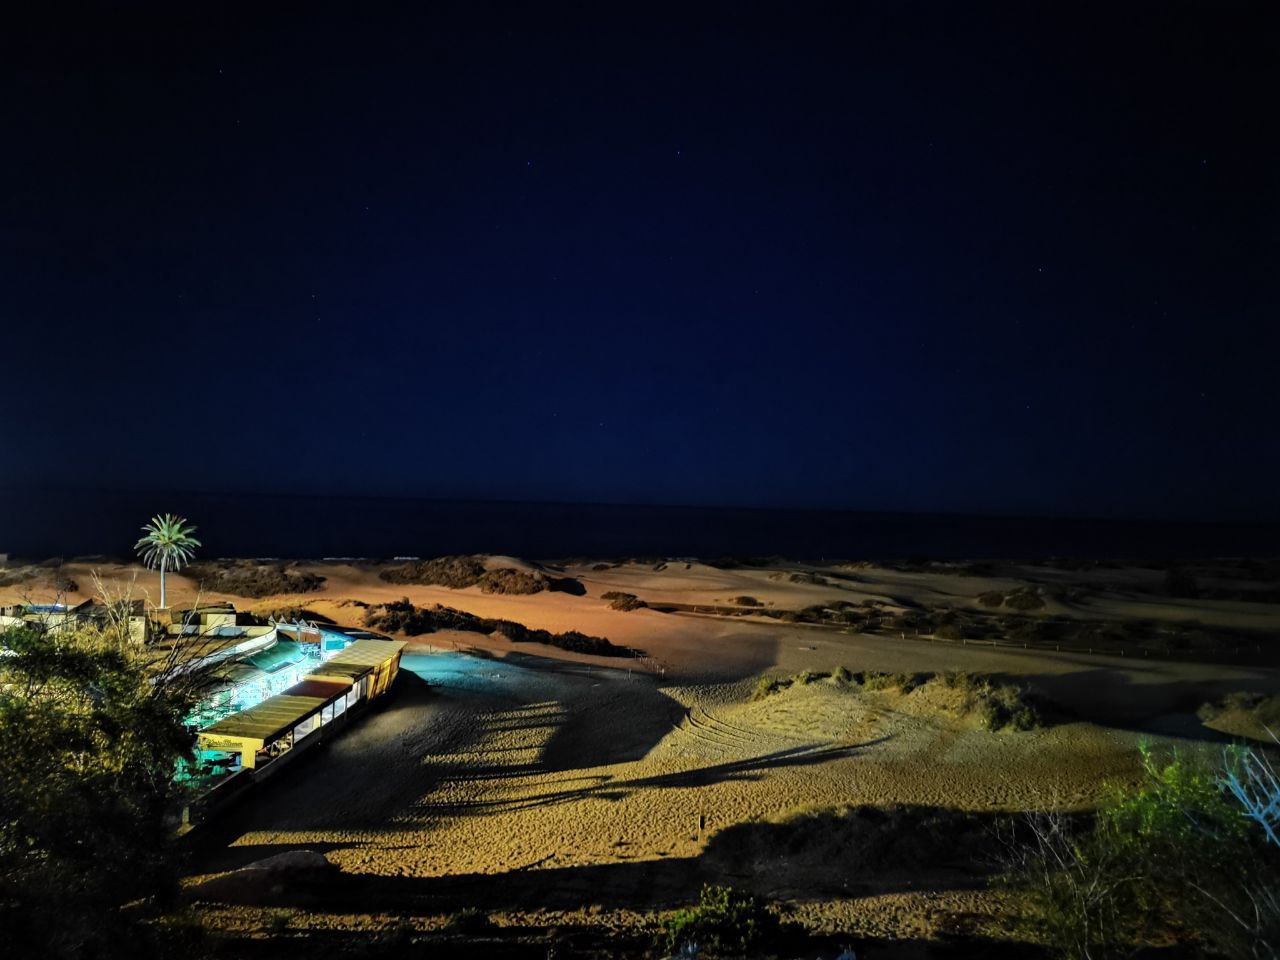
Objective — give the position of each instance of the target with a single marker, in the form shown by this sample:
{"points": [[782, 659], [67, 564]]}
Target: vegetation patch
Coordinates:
{"points": [[997, 706], [249, 578], [725, 922], [401, 616], [1244, 712], [745, 601], [455, 572], [1024, 598], [461, 572], [623, 601], [1178, 859], [46, 576], [510, 580]]}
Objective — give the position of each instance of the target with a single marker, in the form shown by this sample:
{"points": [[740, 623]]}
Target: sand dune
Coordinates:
{"points": [[540, 785]]}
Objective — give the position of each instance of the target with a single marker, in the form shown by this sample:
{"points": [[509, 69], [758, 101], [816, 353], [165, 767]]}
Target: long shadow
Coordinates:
{"points": [[867, 851], [608, 788], [1112, 698], [637, 714]]}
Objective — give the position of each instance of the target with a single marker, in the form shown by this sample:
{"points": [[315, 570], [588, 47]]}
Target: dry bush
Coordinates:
{"points": [[1024, 598], [455, 572], [619, 600], [509, 580], [249, 578], [401, 616], [1257, 709]]}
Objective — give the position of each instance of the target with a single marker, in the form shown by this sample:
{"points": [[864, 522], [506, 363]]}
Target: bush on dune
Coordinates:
{"points": [[458, 573], [455, 572], [623, 601], [509, 580], [401, 616], [1024, 598], [1258, 710], [998, 706], [248, 578]]}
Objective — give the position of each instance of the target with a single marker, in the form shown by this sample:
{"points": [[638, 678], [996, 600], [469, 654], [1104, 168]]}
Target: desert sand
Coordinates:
{"points": [[552, 789]]}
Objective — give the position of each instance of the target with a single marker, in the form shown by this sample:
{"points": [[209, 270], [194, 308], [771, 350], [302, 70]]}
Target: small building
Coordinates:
{"points": [[61, 617], [297, 718], [378, 659]]}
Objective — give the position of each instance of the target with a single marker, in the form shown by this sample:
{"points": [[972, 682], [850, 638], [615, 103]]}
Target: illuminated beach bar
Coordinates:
{"points": [[299, 716], [259, 740]]}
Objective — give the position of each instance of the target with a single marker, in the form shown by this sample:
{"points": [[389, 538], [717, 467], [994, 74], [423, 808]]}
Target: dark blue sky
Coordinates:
{"points": [[1015, 258]]}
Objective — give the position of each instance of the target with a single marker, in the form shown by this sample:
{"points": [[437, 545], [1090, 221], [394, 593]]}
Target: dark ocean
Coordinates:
{"points": [[40, 524]]}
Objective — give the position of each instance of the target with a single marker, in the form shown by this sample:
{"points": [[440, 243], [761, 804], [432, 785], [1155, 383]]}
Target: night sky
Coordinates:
{"points": [[1015, 258]]}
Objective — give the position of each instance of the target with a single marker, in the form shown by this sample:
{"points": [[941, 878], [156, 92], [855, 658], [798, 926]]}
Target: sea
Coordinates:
{"points": [[39, 524]]}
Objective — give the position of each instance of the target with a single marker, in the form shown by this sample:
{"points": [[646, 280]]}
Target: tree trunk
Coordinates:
{"points": [[162, 603]]}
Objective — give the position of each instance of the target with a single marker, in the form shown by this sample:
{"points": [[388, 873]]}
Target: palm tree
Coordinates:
{"points": [[168, 545]]}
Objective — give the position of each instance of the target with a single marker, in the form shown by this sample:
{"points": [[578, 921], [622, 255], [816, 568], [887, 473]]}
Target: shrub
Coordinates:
{"points": [[1025, 598], [904, 682], [1257, 709], [843, 677], [511, 581], [401, 616], [766, 686], [455, 572], [725, 922], [997, 705], [992, 598], [1171, 858], [745, 601], [949, 631], [248, 578], [623, 601]]}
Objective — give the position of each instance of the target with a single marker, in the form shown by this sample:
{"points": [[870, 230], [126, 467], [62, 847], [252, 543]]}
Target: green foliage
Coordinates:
{"points": [[167, 540], [843, 677], [1170, 859], [89, 738], [997, 705], [726, 922]]}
